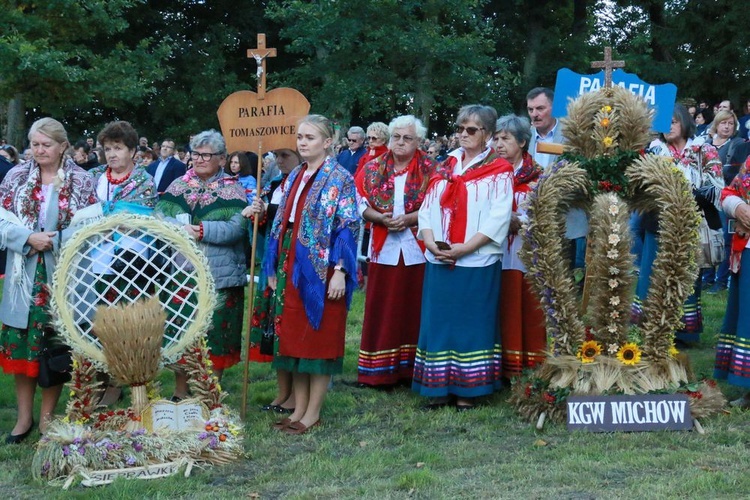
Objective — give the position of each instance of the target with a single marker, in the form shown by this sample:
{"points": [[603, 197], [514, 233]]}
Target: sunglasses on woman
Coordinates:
{"points": [[469, 130]]}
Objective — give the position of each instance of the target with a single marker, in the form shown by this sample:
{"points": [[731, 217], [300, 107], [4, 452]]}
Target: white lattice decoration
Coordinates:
{"points": [[127, 257]]}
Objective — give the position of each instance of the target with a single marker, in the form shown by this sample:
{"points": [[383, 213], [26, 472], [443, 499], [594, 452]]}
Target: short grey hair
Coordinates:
{"points": [[404, 121], [210, 138], [485, 115], [537, 91], [357, 130], [517, 126]]}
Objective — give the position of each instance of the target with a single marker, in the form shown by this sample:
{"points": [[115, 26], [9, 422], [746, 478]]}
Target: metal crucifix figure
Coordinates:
{"points": [[260, 53]]}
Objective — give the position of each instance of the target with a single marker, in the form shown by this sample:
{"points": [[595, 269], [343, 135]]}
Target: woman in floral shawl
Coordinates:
{"points": [[309, 261], [391, 189], [121, 179], [702, 168], [733, 347], [208, 202], [522, 326], [39, 199]]}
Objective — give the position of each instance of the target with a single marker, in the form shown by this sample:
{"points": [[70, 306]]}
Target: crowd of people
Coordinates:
{"points": [[448, 311]]}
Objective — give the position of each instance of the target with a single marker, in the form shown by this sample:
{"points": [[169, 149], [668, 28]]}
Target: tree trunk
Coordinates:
{"points": [[424, 97], [16, 123], [658, 25], [532, 49], [580, 16]]}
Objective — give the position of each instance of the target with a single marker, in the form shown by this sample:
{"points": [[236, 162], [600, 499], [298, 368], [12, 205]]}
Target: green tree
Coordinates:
{"points": [[208, 61], [389, 57], [696, 44], [71, 60], [538, 37]]}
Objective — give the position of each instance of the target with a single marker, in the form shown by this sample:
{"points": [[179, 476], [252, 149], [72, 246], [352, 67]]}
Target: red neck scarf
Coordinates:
{"points": [[454, 200]]}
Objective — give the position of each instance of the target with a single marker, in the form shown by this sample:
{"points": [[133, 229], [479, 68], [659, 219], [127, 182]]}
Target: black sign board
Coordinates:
{"points": [[645, 412]]}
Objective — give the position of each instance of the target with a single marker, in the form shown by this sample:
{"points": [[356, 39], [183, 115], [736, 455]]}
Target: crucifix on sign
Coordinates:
{"points": [[608, 64], [260, 53]]}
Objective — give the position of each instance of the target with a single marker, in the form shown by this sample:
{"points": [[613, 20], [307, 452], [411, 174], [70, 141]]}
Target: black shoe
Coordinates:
{"points": [[437, 404], [18, 438], [717, 288], [282, 410]]}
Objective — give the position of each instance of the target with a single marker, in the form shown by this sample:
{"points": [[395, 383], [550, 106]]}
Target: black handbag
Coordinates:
{"points": [[55, 360]]}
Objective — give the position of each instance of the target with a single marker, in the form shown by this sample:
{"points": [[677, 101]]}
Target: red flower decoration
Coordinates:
{"points": [[695, 395], [589, 335]]}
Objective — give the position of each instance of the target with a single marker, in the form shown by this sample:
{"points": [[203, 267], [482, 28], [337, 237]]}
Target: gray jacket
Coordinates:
{"points": [[223, 244]]}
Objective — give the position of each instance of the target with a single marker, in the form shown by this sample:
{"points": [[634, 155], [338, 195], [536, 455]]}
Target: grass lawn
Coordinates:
{"points": [[380, 445]]}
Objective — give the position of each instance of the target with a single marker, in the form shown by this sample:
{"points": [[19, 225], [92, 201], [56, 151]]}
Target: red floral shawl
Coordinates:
{"points": [[528, 173], [375, 182], [371, 154], [522, 182], [740, 186]]}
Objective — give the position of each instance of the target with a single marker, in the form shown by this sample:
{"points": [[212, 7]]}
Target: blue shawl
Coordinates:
{"points": [[326, 234]]}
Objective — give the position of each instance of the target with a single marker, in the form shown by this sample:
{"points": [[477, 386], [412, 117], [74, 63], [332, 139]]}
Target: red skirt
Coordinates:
{"points": [[297, 337], [522, 328], [391, 325]]}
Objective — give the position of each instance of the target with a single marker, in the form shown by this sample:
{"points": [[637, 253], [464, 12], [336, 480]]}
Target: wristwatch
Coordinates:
{"points": [[339, 267]]}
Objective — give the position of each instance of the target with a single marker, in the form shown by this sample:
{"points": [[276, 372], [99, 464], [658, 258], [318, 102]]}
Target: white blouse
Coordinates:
{"points": [[490, 203]]}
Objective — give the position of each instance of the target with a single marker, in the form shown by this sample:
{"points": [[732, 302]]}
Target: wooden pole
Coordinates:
{"points": [[251, 302]]}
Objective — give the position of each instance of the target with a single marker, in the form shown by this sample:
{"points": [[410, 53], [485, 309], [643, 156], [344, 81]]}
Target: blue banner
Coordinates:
{"points": [[660, 98]]}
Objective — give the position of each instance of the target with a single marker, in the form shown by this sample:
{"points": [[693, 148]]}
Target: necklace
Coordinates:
{"points": [[116, 181]]}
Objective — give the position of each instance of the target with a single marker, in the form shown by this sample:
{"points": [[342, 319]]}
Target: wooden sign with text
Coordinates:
{"points": [[645, 412], [249, 123], [155, 471]]}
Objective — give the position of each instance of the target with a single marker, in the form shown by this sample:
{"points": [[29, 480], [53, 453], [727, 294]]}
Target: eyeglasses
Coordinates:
{"points": [[203, 156], [353, 140], [406, 138], [372, 138], [469, 130]]}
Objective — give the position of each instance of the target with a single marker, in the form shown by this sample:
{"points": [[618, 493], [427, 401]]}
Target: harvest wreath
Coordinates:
{"points": [[601, 353], [130, 323]]}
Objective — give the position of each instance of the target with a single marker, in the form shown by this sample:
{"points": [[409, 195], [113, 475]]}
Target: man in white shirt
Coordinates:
{"points": [[546, 128], [167, 168]]}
